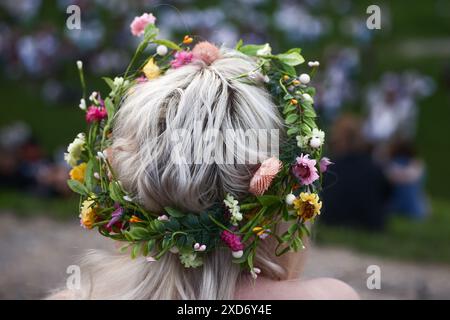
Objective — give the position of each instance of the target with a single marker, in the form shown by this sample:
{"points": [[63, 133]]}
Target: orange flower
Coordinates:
{"points": [[135, 219], [264, 175], [187, 39], [294, 101]]}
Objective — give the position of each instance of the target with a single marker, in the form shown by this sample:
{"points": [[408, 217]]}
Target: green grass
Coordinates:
{"points": [[27, 205], [421, 241]]}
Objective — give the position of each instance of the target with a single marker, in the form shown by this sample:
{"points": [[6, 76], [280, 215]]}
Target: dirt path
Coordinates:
{"points": [[35, 253]]}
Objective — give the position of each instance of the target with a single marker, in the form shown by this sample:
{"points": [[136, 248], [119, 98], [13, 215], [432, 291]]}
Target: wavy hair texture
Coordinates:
{"points": [[195, 98]]}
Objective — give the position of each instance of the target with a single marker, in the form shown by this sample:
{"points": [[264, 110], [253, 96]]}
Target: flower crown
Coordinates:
{"points": [[281, 190]]}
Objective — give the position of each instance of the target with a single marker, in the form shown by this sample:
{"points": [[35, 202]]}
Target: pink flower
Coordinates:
{"points": [[305, 169], [181, 58], [141, 79], [206, 51], [263, 177], [95, 114], [140, 23], [324, 163], [232, 240]]}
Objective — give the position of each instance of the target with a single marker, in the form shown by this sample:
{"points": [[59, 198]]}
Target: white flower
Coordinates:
{"points": [[101, 155], [79, 64], [191, 260], [118, 81], [199, 247], [302, 141], [74, 150], [290, 199], [266, 78], [264, 51], [150, 259], [313, 64], [82, 104], [127, 198], [163, 218], [237, 254], [93, 96], [252, 75], [233, 207], [304, 78], [307, 97], [254, 272], [161, 50], [97, 175], [317, 138]]}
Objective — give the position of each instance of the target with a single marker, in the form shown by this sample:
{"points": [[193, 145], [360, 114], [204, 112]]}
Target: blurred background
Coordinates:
{"points": [[383, 97]]}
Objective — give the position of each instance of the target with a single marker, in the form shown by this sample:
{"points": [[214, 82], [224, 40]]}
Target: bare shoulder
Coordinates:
{"points": [[314, 289]]}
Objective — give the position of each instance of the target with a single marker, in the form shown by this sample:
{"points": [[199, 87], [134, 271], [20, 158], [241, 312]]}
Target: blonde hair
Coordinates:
{"points": [[195, 97]]}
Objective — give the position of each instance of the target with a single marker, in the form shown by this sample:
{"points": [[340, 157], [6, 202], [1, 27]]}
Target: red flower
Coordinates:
{"points": [[96, 114]]}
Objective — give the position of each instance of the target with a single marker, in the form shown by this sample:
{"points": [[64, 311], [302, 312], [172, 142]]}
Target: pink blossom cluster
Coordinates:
{"points": [[139, 24], [181, 58], [95, 114], [232, 240]]}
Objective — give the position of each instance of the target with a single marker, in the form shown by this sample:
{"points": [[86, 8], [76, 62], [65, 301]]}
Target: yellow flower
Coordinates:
{"points": [[135, 219], [258, 230], [77, 173], [187, 39], [307, 205], [151, 70], [88, 214]]}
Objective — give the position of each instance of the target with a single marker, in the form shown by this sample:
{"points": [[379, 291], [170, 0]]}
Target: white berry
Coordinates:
{"points": [[161, 50], [304, 78], [237, 254], [290, 199]]}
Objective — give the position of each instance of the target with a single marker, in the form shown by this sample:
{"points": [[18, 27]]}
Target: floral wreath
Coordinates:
{"points": [[281, 190]]}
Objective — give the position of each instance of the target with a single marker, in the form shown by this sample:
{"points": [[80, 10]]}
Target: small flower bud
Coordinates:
{"points": [[161, 50]]}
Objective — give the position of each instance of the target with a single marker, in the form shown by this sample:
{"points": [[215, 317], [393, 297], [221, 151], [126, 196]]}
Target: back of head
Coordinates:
{"points": [[172, 135], [181, 140]]}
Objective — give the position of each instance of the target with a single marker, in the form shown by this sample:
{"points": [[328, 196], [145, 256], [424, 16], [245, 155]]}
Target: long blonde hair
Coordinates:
{"points": [[196, 97]]}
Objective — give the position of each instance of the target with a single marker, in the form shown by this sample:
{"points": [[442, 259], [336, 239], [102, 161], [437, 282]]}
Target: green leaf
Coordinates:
{"points": [[239, 45], [138, 233], [268, 200], [290, 119], [151, 245], [144, 249], [292, 58], [251, 49], [288, 96], [310, 122], [78, 187], [311, 91], [135, 251], [109, 82], [291, 131], [292, 229], [115, 192], [168, 44], [150, 32], [309, 112], [109, 108], [89, 178], [174, 212], [190, 221], [156, 226], [289, 108]]}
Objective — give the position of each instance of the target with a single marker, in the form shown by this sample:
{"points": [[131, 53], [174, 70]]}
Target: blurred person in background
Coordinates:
{"points": [[24, 167], [355, 188], [406, 173]]}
